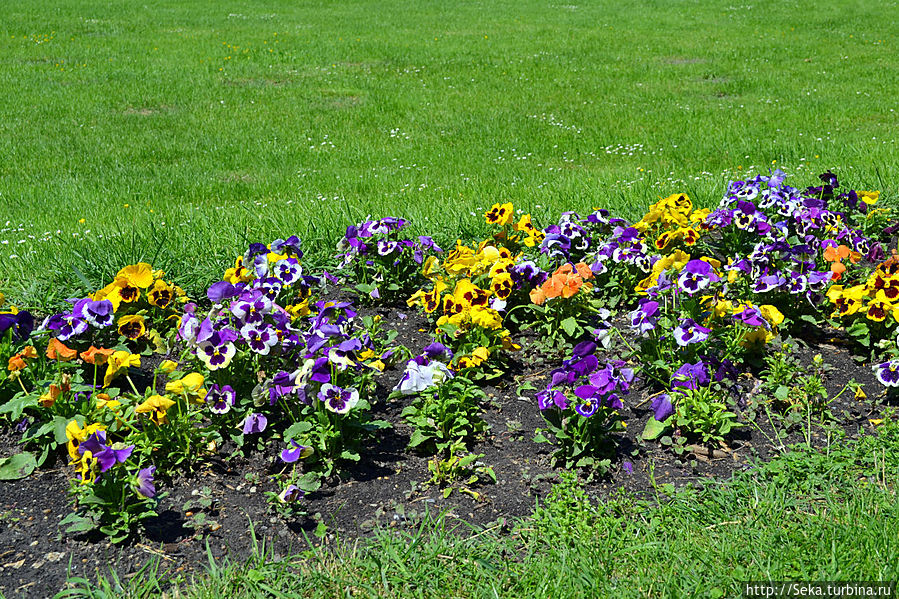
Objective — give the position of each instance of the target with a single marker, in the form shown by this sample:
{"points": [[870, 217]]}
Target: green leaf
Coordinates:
{"points": [[77, 523], [17, 466], [297, 429], [782, 392], [466, 461], [59, 429], [570, 325], [653, 429], [17, 405], [809, 319], [417, 438], [309, 482], [44, 455]]}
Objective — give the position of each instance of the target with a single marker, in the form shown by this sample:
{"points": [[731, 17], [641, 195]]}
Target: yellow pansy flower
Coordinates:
{"points": [[139, 275], [132, 326], [500, 214], [118, 361], [161, 294], [868, 197], [156, 406], [191, 386], [771, 314]]}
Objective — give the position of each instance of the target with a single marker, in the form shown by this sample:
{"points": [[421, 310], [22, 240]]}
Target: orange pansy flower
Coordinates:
{"points": [[96, 355], [57, 350]]}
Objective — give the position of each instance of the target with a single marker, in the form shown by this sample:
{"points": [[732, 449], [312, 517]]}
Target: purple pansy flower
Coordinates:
{"points": [[144, 484], [99, 313], [220, 399], [696, 276], [294, 452], [218, 292], [662, 407], [337, 399], [288, 270], [644, 318], [587, 408], [21, 324], [752, 316], [260, 337], [251, 306], [254, 423], [691, 376], [550, 397], [66, 326], [888, 373], [290, 494], [689, 331]]}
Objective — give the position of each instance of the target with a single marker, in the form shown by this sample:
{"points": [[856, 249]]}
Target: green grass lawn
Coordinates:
{"points": [[179, 131]]}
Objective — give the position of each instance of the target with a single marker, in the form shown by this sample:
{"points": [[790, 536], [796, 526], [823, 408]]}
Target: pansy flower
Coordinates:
{"points": [[587, 407], [550, 397], [119, 361], [218, 350], [260, 337], [337, 399], [138, 275], [190, 386], [107, 456], [220, 399], [295, 452], [57, 350], [88, 467], [342, 356], [77, 435], [66, 326], [161, 294], [662, 407], [689, 331], [751, 316], [132, 326], [643, 319], [53, 392], [119, 291], [696, 276], [143, 483], [769, 283], [254, 423], [422, 373], [20, 322], [96, 356], [288, 270], [500, 214], [252, 306], [691, 376], [97, 313], [156, 406], [290, 494], [888, 373]]}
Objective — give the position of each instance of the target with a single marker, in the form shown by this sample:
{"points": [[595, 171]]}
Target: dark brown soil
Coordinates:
{"points": [[383, 490]]}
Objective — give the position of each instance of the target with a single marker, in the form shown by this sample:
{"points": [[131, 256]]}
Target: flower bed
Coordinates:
{"points": [[694, 337]]}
